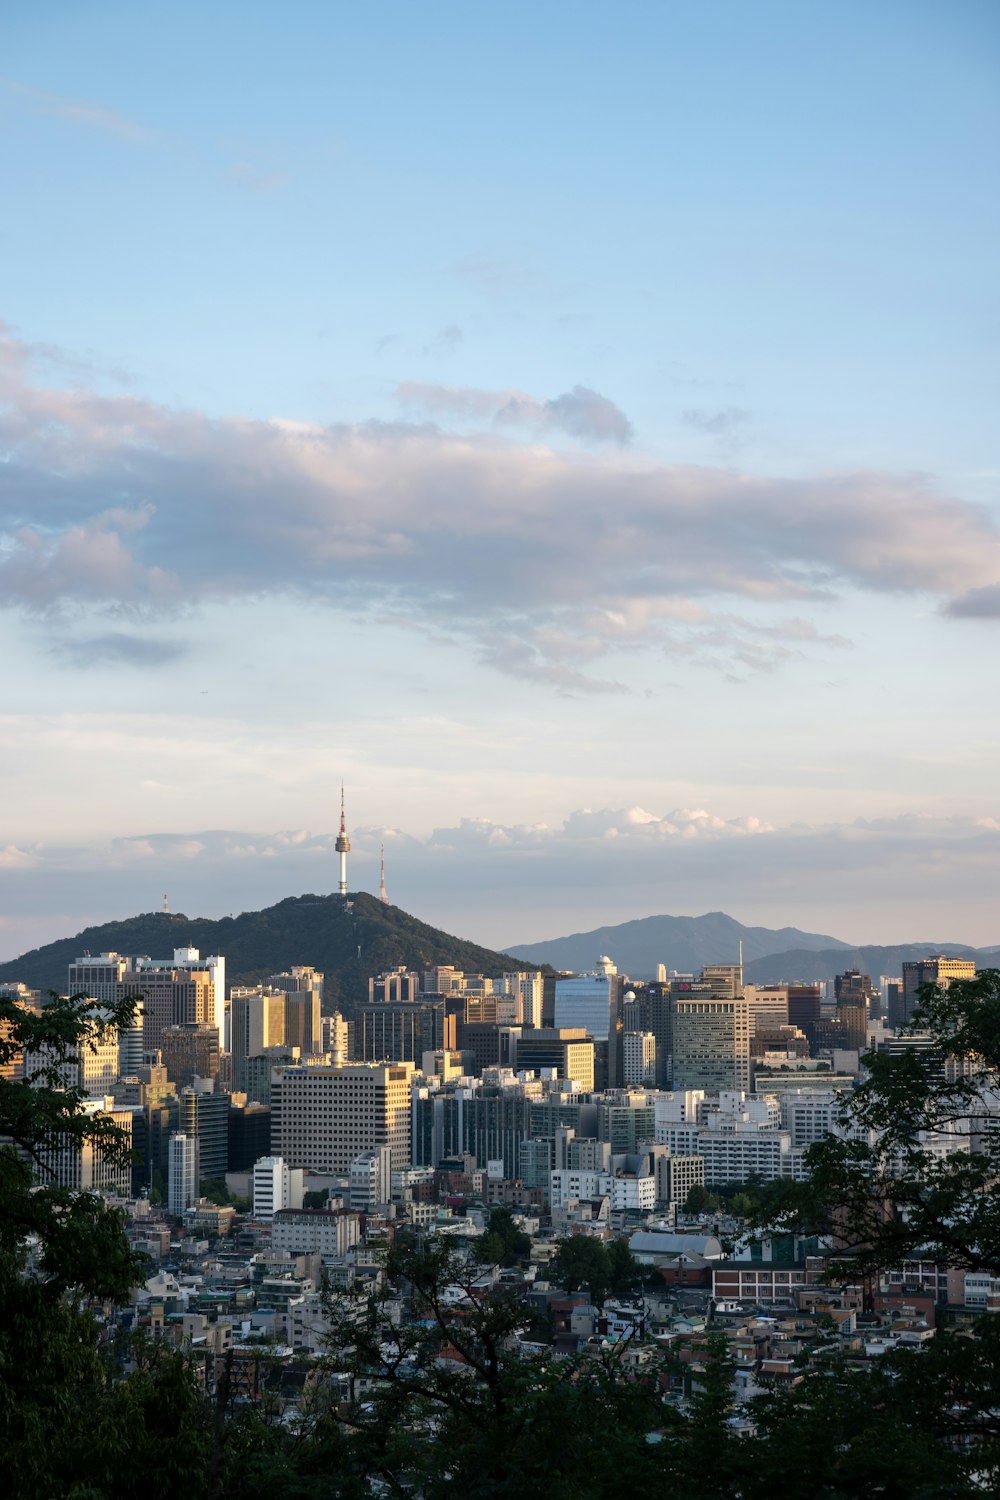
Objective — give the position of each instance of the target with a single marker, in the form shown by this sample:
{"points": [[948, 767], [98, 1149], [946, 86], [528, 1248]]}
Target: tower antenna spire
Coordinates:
{"points": [[343, 844], [383, 895]]}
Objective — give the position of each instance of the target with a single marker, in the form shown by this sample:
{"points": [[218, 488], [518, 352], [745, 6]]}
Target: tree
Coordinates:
{"points": [[916, 1165], [68, 1422], [444, 1399], [699, 1199], [581, 1261], [505, 1242]]}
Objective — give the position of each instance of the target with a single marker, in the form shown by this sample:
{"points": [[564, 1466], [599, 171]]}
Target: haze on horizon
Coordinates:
{"points": [[574, 429]]}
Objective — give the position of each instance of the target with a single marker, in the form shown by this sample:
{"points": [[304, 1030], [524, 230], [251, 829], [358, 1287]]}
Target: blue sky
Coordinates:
{"points": [[516, 410]]}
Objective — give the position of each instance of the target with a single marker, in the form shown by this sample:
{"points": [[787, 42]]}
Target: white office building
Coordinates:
{"points": [[182, 1174], [276, 1187]]}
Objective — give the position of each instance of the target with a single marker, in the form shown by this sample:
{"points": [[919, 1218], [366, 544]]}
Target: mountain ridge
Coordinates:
{"points": [[683, 943], [688, 943], [348, 941]]}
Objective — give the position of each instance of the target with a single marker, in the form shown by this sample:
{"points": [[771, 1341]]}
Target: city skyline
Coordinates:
{"points": [[579, 438]]}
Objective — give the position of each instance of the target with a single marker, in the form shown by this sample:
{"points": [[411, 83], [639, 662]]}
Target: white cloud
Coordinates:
{"points": [[541, 562]]}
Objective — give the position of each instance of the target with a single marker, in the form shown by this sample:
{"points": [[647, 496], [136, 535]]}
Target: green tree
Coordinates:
{"points": [[70, 1422], [581, 1261], [892, 1183], [699, 1200], [505, 1242]]}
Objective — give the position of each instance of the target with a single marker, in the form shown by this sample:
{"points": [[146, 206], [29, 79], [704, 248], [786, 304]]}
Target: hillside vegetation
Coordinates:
{"points": [[347, 941]]}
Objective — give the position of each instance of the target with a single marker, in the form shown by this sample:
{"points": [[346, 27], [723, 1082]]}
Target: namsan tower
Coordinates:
{"points": [[343, 844], [383, 894]]}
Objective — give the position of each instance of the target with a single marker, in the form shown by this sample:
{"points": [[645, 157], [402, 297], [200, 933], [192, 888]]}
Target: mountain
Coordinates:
{"points": [[347, 941], [809, 965], [684, 943]]}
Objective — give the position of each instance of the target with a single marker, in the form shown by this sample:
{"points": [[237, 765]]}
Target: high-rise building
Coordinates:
{"points": [[370, 1179], [938, 969], [190, 1052], [204, 1117], [98, 976], [249, 1135], [486, 1119], [805, 1002], [303, 989], [276, 1187], [711, 1043], [18, 997], [394, 985], [256, 1023], [595, 1002], [85, 1165], [568, 1051], [182, 990], [322, 1117], [391, 1031], [526, 988], [91, 1064], [183, 1174], [639, 1058]]}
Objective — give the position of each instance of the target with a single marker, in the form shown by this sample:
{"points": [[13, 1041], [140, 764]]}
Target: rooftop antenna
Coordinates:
{"points": [[381, 887]]}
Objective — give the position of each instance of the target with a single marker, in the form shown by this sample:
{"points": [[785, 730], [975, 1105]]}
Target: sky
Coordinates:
{"points": [[573, 426]]}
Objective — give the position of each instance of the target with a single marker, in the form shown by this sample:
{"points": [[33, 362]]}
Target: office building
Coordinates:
{"points": [[249, 1135], [183, 1175], [402, 1031], [595, 1002], [91, 1064], [322, 1117], [567, 1052], [189, 1052], [303, 990], [256, 1025], [938, 969], [394, 986], [370, 1179], [84, 1165], [204, 1118], [639, 1058], [98, 976], [526, 989], [276, 1187], [711, 1043]]}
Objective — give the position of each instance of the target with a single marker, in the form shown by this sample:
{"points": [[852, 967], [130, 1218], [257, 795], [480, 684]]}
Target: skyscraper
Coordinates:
{"points": [[323, 1117], [182, 1174], [937, 969], [711, 1037]]}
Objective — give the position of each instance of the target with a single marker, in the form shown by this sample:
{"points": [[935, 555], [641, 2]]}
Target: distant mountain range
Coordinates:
{"points": [[808, 966], [348, 942], [769, 954]]}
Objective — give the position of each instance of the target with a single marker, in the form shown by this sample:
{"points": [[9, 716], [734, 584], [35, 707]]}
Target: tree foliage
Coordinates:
{"points": [[915, 1169]]}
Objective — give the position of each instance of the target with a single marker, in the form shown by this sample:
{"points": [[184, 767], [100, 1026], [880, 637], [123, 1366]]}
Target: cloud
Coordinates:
{"points": [[976, 604], [79, 111], [870, 880], [723, 425], [119, 649], [542, 562], [581, 412], [445, 342]]}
